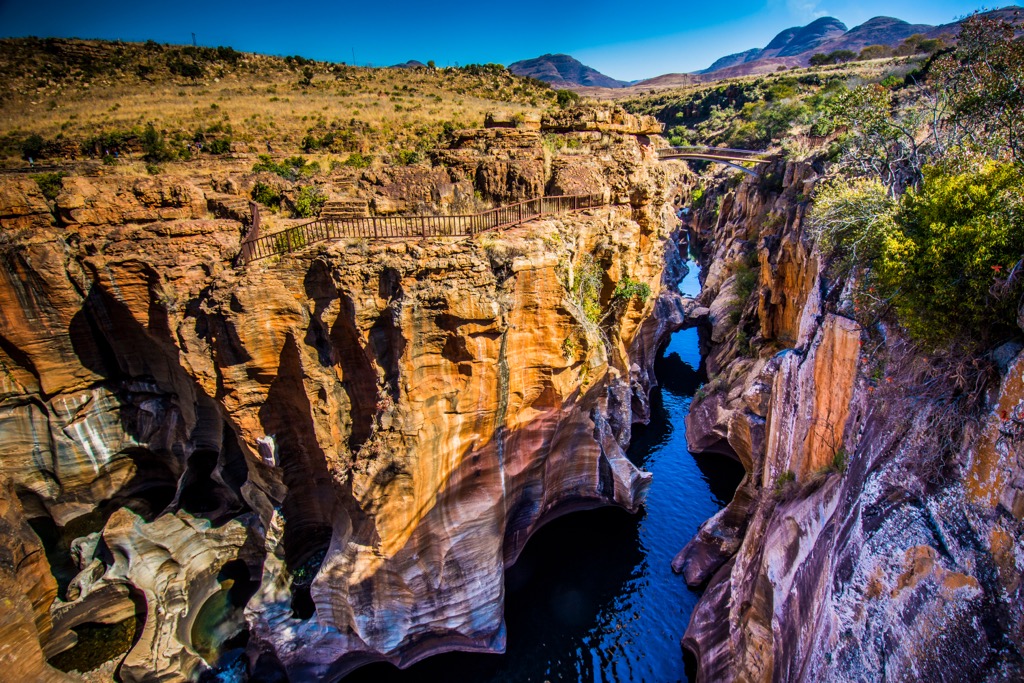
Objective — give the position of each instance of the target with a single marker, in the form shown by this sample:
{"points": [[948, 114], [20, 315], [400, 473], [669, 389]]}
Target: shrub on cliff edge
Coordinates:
{"points": [[948, 265]]}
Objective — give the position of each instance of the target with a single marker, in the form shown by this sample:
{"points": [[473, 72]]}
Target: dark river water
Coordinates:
{"points": [[592, 597]]}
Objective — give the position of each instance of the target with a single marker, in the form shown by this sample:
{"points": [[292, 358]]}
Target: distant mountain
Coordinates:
{"points": [[411, 64], [795, 46], [878, 31], [792, 42], [563, 71]]}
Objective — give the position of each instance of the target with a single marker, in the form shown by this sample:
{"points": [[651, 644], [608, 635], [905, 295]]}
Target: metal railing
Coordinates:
{"points": [[719, 155], [259, 246], [713, 153]]}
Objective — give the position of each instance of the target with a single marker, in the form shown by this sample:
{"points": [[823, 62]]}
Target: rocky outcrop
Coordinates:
{"points": [[367, 432], [872, 516], [604, 120]]}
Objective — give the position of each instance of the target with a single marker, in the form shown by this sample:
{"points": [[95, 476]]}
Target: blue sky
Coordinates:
{"points": [[621, 39]]}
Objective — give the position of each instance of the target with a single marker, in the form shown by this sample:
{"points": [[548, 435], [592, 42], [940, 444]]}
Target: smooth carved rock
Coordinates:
{"points": [[373, 429], [849, 572], [28, 590], [174, 561]]}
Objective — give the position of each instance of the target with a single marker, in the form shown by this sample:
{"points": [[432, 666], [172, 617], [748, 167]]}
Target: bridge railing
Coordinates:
{"points": [[709, 151], [399, 227]]}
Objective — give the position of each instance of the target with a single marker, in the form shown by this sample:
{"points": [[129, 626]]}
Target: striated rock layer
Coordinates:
{"points": [[355, 439], [878, 533]]}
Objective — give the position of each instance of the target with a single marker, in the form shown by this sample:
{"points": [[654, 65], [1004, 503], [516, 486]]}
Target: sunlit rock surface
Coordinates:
{"points": [[368, 431], [872, 537]]}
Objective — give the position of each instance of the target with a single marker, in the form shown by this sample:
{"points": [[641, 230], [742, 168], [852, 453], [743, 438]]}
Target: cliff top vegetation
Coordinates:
{"points": [[66, 98], [921, 217]]}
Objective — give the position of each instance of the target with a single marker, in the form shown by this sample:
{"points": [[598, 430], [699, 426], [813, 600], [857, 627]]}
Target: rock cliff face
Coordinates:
{"points": [[352, 441], [878, 532]]}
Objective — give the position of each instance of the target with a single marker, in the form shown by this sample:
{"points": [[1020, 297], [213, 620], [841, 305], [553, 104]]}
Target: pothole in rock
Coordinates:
{"points": [[219, 631]]}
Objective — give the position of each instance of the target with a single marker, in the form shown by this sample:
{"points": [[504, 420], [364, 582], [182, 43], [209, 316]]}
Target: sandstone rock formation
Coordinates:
{"points": [[367, 432], [873, 537]]}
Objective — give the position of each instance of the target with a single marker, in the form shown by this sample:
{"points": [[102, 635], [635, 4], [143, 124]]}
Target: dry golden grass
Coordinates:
{"points": [[254, 101]]}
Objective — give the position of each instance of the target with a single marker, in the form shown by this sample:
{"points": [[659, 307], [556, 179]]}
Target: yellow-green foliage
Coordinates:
{"points": [[309, 202], [583, 282], [956, 237], [628, 288], [852, 218], [936, 254]]}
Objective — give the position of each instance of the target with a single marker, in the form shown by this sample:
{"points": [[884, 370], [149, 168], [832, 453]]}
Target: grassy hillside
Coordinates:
{"points": [[753, 112], [64, 99]]}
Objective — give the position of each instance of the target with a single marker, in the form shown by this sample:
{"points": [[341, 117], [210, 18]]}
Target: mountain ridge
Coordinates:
{"points": [[796, 45], [562, 70]]}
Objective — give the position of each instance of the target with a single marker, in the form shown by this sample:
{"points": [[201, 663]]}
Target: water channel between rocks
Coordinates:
{"points": [[592, 597]]}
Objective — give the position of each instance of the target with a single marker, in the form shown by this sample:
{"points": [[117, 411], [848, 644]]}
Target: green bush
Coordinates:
{"points": [[109, 142], [583, 282], [957, 239], [311, 142], [33, 147], [267, 195], [407, 157], [851, 220], [154, 147], [628, 288], [218, 146], [839, 461], [834, 57], [875, 52], [891, 81], [566, 98], [309, 202], [357, 160], [698, 197], [784, 480], [49, 183], [291, 168]]}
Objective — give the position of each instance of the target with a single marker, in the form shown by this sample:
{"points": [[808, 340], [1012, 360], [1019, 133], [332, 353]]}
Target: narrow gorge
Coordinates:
{"points": [[335, 453], [312, 371]]}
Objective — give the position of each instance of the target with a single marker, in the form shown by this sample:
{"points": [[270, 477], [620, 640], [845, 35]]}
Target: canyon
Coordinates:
{"points": [[350, 442], [334, 458]]}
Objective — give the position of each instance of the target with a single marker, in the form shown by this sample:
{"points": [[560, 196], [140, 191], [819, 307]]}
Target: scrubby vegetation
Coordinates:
{"points": [[925, 211], [64, 99], [309, 201], [49, 184], [628, 289], [922, 209]]}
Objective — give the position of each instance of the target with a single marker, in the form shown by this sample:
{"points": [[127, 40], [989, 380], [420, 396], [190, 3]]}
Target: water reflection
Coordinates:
{"points": [[593, 597]]}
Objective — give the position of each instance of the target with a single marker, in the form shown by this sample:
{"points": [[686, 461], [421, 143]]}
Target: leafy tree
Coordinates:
{"points": [[33, 147], [566, 98], [983, 84], [882, 137], [155, 149], [852, 219], [875, 52], [834, 57], [266, 195]]}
